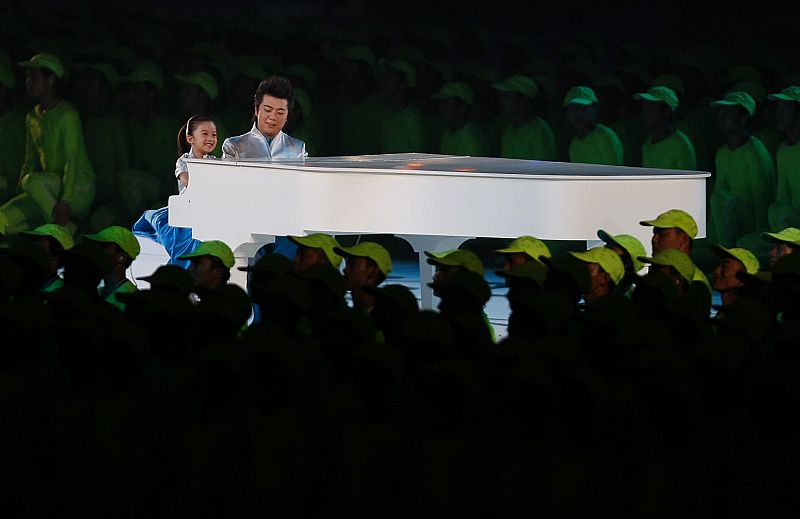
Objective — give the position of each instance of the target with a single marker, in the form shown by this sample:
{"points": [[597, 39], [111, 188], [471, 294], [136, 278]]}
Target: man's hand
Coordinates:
{"points": [[62, 212]]}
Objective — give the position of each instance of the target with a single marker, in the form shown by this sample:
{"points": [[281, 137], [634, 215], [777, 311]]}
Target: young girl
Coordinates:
{"points": [[197, 138]]}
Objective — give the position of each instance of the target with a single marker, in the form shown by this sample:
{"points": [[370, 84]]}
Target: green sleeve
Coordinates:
{"points": [[31, 162], [75, 150], [764, 188]]}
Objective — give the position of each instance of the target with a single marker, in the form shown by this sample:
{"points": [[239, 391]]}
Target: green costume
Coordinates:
{"points": [[402, 131], [12, 150], [125, 287], [467, 140], [601, 146], [359, 124], [533, 140], [674, 152], [785, 210], [56, 168], [109, 150], [743, 190]]}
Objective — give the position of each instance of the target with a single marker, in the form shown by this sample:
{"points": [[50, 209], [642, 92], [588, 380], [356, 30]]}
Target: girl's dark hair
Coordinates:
{"points": [[187, 128], [275, 86]]}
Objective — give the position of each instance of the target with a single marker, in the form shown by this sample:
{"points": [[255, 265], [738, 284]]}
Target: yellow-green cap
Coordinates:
{"points": [[606, 258], [369, 249], [7, 77], [676, 259], [671, 81], [323, 241], [356, 53], [55, 231], [108, 72], [45, 60], [752, 87], [582, 95], [215, 248], [790, 235], [630, 243], [533, 270], [403, 66], [123, 237], [146, 72], [202, 79], [674, 218], [533, 247], [457, 258], [519, 84], [659, 94], [457, 89], [739, 98], [790, 93], [747, 258]]}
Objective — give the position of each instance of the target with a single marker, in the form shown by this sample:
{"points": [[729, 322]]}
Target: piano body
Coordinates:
{"points": [[435, 202]]}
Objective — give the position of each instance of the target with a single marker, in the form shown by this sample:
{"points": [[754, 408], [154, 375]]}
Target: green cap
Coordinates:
{"points": [[369, 249], [671, 81], [123, 237], [582, 95], [7, 77], [356, 53], [323, 241], [674, 218], [747, 258], [519, 84], [533, 270], [457, 258], [606, 258], [752, 87], [45, 60], [735, 98], [659, 94], [170, 276], [403, 66], [108, 72], [457, 89], [790, 93], [146, 72], [630, 243], [533, 247], [676, 259], [202, 79], [60, 234], [214, 248], [790, 235]]}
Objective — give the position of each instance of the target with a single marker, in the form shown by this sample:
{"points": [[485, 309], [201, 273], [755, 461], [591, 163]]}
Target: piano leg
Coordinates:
{"points": [[420, 244]]}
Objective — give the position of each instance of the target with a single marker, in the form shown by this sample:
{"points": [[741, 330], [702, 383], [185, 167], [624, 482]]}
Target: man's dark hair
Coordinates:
{"points": [[275, 86]]}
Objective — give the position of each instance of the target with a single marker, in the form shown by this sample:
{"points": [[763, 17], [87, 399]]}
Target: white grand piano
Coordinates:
{"points": [[434, 202]]}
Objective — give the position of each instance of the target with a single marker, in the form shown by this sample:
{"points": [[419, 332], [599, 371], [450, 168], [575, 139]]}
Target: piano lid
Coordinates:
{"points": [[454, 164]]}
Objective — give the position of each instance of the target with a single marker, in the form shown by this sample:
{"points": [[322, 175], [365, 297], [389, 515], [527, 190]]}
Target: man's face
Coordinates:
{"points": [[271, 115], [654, 115], [512, 259], [778, 251], [786, 113], [36, 82], [674, 275], [600, 283], [204, 272], [308, 257], [730, 120], [360, 272], [725, 278], [580, 118], [669, 238]]}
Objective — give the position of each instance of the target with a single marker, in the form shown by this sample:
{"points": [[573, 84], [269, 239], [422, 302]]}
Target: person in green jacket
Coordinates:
{"points": [[56, 182], [526, 135], [665, 147], [785, 209], [12, 128], [402, 126], [121, 247], [591, 141], [462, 136], [744, 184], [54, 240]]}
